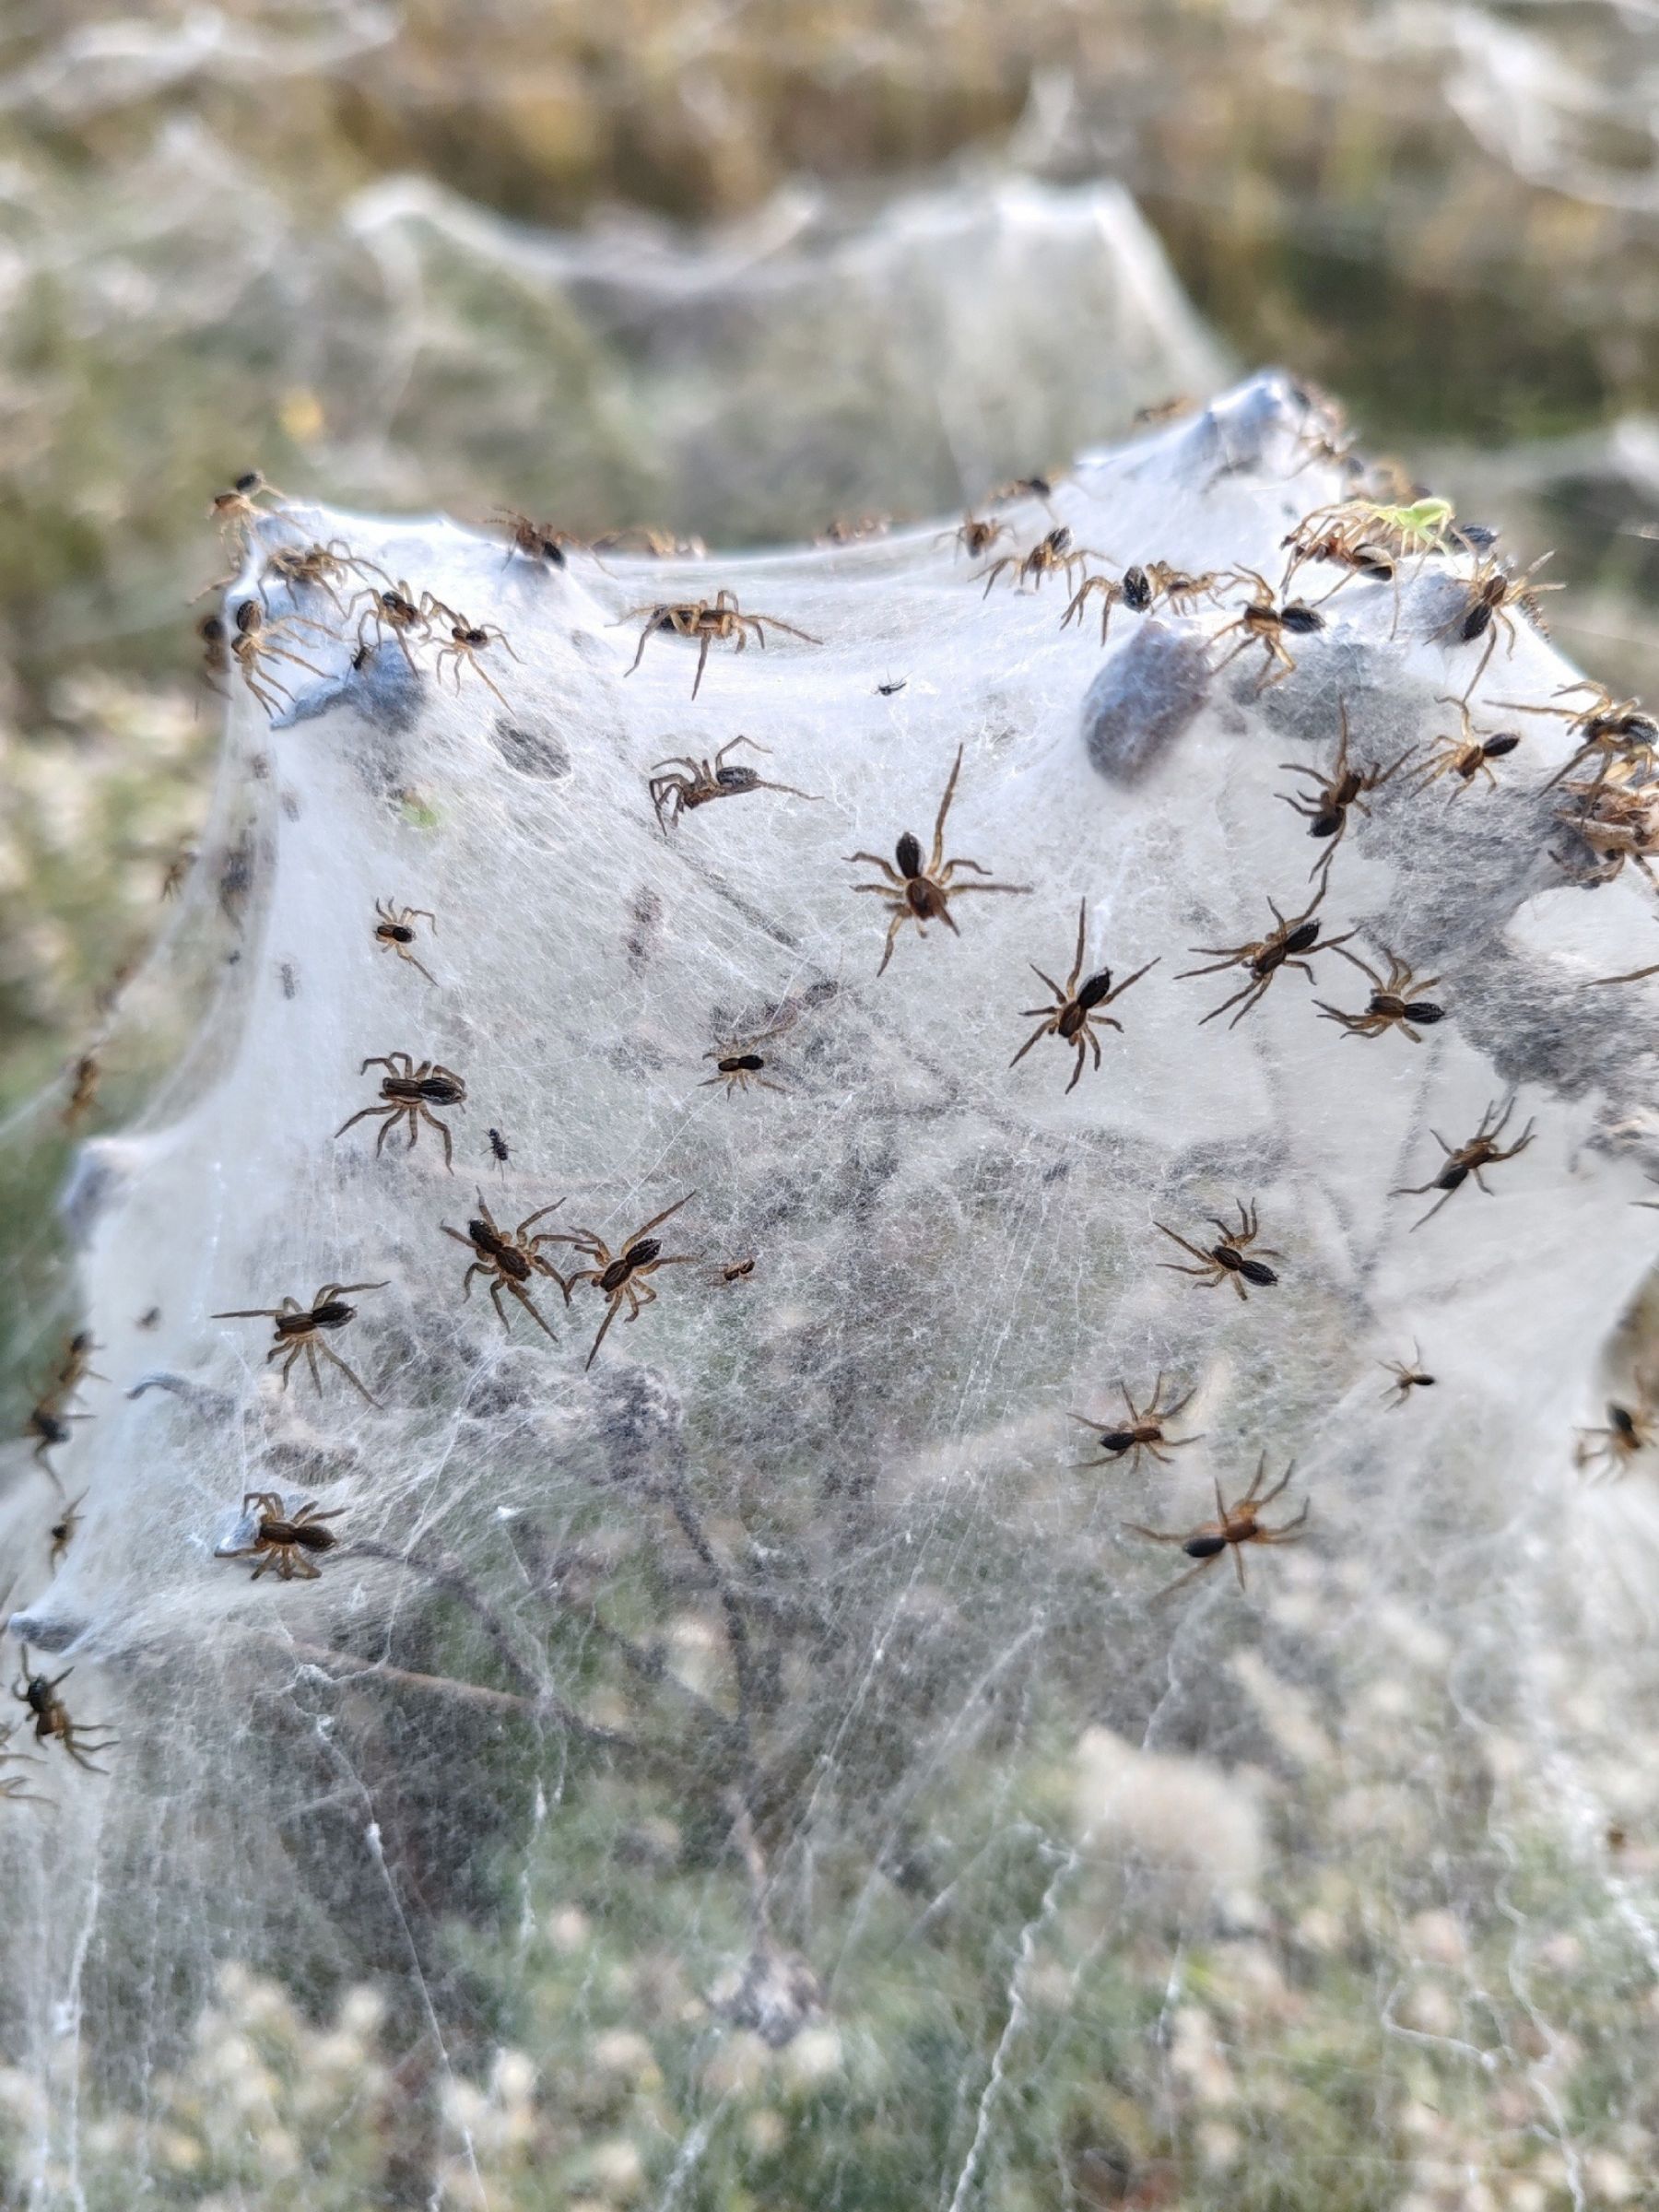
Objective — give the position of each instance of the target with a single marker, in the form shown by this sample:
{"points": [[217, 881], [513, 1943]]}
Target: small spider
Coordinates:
{"points": [[1617, 729], [737, 1064], [283, 1539], [466, 640], [390, 610], [83, 1088], [310, 569], [536, 541], [508, 1261], [853, 530], [1287, 945], [177, 868], [1326, 813], [77, 1366], [891, 689], [1391, 1006], [63, 1532], [975, 536], [1628, 1433], [681, 782], [237, 509], [50, 1428], [1466, 757], [1144, 1430], [706, 620], [52, 1717], [620, 1276], [660, 545], [1263, 623], [1481, 1151], [300, 1329], [1077, 1009], [1235, 1525], [1342, 538], [1617, 825], [499, 1151], [1226, 1260], [921, 894], [1491, 590], [410, 1092], [1408, 1376], [253, 642], [395, 932], [1134, 590], [1053, 555], [737, 1271]]}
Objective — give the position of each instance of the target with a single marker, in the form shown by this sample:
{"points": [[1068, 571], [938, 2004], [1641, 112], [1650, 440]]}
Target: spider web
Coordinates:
{"points": [[761, 1759]]}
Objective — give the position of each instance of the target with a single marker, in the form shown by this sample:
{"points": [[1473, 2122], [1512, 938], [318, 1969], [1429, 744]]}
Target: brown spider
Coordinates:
{"points": [[975, 536], [853, 530], [620, 1275], [466, 640], [681, 782], [1263, 623], [508, 1261], [63, 1532], [1391, 1006], [1235, 1525], [737, 1064], [77, 1366], [1466, 757], [1628, 1433], [300, 1329], [282, 1539], [1076, 1010], [921, 894], [237, 509], [1053, 555], [391, 610], [536, 541], [83, 1090], [706, 620], [410, 1092], [1492, 590], [1144, 1430], [1617, 825], [394, 932], [215, 650], [1134, 590], [1226, 1260], [252, 642], [52, 1717], [1481, 1151], [1286, 946], [660, 545], [1342, 538], [1327, 814], [177, 868], [1408, 1376], [310, 568], [50, 1428], [1616, 729]]}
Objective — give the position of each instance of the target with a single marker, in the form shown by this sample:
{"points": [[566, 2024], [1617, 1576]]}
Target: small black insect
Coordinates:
{"points": [[891, 690]]}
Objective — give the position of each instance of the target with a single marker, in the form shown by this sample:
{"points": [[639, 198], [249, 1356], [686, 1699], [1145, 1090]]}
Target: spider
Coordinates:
{"points": [[508, 1261], [1628, 1434], [50, 1428], [1340, 538], [252, 642], [921, 894], [63, 1532], [1481, 1151], [1134, 590], [300, 1329], [83, 1088], [396, 933], [1144, 1431], [1468, 757], [1617, 825], [737, 1064], [1391, 1004], [1408, 1376], [237, 509], [660, 545], [1283, 947], [1076, 1010], [975, 536], [1227, 1259], [1235, 1525], [12, 1787], [412, 1092], [52, 1717], [1051, 555], [1617, 729], [852, 530], [466, 642], [1492, 590], [309, 568], [178, 868], [392, 610], [536, 541], [706, 620], [77, 1366], [1327, 814], [1264, 621], [282, 1539], [620, 1275], [681, 782]]}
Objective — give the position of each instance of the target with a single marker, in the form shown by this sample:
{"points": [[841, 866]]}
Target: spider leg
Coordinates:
{"points": [[1191, 1575], [1278, 1488], [362, 1113], [293, 1353], [610, 1315], [530, 1306], [427, 1114], [329, 1353], [893, 928], [540, 1213], [1122, 987], [1251, 994], [405, 953], [762, 783], [311, 1361], [1197, 1252], [875, 861], [958, 890], [1157, 1535], [702, 660], [657, 1220]]}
